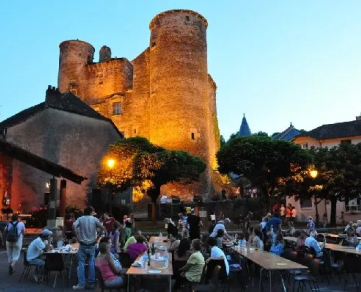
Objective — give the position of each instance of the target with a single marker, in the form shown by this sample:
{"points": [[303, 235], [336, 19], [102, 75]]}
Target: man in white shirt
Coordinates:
{"points": [[311, 242], [221, 225], [217, 253], [163, 199], [37, 248]]}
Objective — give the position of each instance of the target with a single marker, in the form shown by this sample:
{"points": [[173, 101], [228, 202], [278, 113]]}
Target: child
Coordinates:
{"points": [[278, 246]]}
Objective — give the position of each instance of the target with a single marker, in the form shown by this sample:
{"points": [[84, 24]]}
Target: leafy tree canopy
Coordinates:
{"points": [[264, 161]]}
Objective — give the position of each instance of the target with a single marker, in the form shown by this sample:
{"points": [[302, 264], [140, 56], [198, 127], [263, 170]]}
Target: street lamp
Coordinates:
{"points": [[313, 173], [110, 164]]}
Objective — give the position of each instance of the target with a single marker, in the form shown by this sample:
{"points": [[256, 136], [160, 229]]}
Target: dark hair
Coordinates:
{"points": [[88, 210], [103, 247], [258, 233], [183, 247], [279, 237], [275, 214], [140, 238], [251, 229], [220, 233], [104, 239], [212, 241], [116, 225], [197, 244], [15, 217]]}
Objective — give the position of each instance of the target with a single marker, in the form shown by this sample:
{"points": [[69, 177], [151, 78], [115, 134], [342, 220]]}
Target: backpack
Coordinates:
{"points": [[13, 234]]}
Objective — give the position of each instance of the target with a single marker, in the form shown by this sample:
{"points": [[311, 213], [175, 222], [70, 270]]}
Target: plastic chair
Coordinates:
{"points": [[27, 267], [125, 260], [102, 286], [214, 284], [54, 262]]}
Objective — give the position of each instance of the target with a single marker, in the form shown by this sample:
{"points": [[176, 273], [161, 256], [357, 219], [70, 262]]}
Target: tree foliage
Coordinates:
{"points": [[264, 161], [137, 160]]}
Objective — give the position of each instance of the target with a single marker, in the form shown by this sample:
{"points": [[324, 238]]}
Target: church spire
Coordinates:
{"points": [[244, 130]]}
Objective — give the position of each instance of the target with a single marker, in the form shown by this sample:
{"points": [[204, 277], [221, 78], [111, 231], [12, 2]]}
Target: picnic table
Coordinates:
{"points": [[268, 261], [138, 271]]}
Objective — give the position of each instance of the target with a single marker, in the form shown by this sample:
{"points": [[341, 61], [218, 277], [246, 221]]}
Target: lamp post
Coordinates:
{"points": [[314, 174], [110, 164]]}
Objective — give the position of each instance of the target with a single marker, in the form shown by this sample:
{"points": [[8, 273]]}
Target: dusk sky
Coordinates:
{"points": [[276, 61]]}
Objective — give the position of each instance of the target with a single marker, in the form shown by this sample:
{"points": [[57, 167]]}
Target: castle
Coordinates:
{"points": [[165, 94]]}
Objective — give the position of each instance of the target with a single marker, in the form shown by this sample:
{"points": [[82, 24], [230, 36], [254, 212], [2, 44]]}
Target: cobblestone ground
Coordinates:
{"points": [[11, 283]]}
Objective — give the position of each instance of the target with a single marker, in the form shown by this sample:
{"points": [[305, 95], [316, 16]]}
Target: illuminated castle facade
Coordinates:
{"points": [[165, 94]]}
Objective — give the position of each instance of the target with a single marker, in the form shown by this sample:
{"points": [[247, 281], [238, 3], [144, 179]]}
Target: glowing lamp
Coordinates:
{"points": [[110, 163], [313, 173]]}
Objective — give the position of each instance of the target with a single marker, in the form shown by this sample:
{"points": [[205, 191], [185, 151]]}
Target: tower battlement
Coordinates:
{"points": [[158, 17]]}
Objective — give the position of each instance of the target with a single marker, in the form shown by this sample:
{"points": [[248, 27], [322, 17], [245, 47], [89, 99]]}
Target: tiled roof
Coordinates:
{"points": [[244, 130], [338, 130], [54, 99], [287, 134]]}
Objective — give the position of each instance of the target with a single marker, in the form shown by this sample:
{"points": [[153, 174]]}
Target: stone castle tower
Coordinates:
{"points": [[165, 94]]}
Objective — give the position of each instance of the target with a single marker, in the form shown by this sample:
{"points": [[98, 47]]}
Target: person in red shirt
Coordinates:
{"points": [[108, 223]]}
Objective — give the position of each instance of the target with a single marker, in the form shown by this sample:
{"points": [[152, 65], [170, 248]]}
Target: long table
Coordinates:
{"points": [[161, 241], [139, 271], [268, 261]]}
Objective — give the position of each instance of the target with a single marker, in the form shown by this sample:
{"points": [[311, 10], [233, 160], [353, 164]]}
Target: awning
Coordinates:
{"points": [[38, 162]]}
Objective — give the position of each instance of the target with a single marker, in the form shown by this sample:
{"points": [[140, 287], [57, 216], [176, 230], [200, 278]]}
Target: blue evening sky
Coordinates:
{"points": [[276, 61]]}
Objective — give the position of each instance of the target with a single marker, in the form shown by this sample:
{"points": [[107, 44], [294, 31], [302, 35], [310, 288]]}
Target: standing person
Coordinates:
{"points": [[68, 225], [247, 221], [324, 220], [288, 213], [182, 225], [115, 238], [224, 195], [131, 219], [13, 233], [87, 229], [108, 223], [274, 222], [194, 223], [293, 214], [311, 225], [283, 212]]}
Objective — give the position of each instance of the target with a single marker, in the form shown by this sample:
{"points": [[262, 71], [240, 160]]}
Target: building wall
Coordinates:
{"points": [[66, 139], [325, 143], [166, 93]]}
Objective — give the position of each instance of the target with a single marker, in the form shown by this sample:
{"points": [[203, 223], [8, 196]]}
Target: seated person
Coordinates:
{"points": [[278, 246], [358, 228], [115, 257], [217, 253], [311, 242], [219, 238], [350, 223], [36, 249], [174, 243], [351, 238], [183, 252], [193, 270], [132, 239], [250, 234], [257, 239], [136, 249], [110, 273], [301, 238]]}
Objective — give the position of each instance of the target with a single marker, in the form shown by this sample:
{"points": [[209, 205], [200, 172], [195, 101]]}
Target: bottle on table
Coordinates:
{"points": [[145, 261], [166, 259]]}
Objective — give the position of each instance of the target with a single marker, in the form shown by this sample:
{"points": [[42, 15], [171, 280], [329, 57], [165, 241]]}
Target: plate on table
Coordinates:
{"points": [[136, 264], [154, 271], [162, 248]]}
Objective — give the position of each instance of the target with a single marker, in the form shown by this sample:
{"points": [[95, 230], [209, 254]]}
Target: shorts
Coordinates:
{"points": [[13, 250]]}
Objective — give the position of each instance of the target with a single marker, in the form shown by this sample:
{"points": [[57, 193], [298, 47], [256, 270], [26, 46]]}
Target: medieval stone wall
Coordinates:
{"points": [[67, 139]]}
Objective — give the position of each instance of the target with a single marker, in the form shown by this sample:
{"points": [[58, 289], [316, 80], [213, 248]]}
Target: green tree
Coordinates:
{"points": [[137, 160], [339, 174], [260, 134], [264, 161], [222, 141]]}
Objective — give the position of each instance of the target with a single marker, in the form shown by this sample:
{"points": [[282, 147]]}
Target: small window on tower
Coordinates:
{"points": [[153, 44], [117, 108], [135, 131], [193, 137], [187, 18]]}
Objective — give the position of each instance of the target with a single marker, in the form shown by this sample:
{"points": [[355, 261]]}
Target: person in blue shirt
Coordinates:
{"points": [[278, 246], [311, 225], [275, 222], [311, 242]]}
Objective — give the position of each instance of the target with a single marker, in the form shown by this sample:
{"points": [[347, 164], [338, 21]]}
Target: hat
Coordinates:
{"points": [[227, 220], [46, 232]]}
